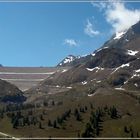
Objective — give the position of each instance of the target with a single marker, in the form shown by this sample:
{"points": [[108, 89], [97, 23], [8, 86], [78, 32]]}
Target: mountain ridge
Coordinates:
{"points": [[113, 65], [121, 40]]}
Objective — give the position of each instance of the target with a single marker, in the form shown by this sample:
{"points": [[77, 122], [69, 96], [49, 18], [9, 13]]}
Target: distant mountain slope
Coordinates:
{"points": [[27, 77]]}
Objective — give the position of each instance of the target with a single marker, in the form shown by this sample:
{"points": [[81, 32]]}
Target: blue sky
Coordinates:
{"points": [[42, 34]]}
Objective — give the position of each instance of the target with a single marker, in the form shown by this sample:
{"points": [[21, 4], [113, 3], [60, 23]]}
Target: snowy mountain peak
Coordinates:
{"points": [[68, 59], [119, 35]]}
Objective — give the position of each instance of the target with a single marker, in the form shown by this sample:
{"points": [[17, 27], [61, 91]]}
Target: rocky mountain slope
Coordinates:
{"points": [[10, 93], [115, 64]]}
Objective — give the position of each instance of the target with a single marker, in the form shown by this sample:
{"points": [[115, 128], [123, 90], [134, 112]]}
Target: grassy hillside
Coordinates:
{"points": [[73, 126]]}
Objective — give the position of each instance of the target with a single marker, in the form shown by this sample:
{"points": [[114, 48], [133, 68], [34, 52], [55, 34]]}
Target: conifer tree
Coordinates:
{"points": [[40, 125], [49, 123], [137, 135], [54, 124], [132, 135], [125, 129]]}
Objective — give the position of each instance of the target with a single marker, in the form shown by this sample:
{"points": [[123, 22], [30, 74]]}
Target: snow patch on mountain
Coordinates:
{"points": [[122, 66], [130, 52], [89, 69], [136, 85], [64, 70], [125, 65], [84, 82], [68, 59], [69, 87], [90, 95], [93, 54], [78, 57], [105, 47], [96, 68], [137, 70], [119, 35], [135, 75], [125, 82], [119, 88], [102, 49]]}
